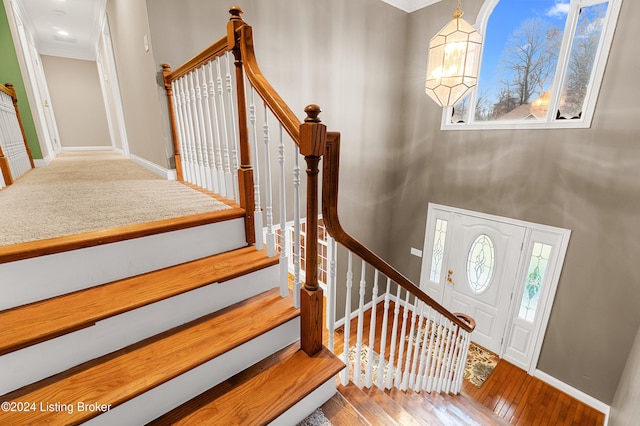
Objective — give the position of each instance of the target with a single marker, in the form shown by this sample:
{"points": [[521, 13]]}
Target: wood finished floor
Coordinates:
{"points": [[509, 392]]}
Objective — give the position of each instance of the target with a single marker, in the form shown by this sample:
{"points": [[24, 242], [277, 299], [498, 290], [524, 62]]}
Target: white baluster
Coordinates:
{"points": [[417, 344], [452, 358], [297, 284], [424, 356], [383, 337], [196, 133], [179, 130], [410, 343], [332, 253], [435, 361], [344, 375], [362, 289], [193, 163], [284, 246], [208, 180], [210, 136], [228, 177], [234, 128], [394, 335], [372, 330], [271, 239], [462, 359], [403, 335], [443, 355], [257, 214], [222, 189]]}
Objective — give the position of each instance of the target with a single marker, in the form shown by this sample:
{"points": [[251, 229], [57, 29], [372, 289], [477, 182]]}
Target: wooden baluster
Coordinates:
{"points": [[234, 134], [394, 335], [383, 337], [403, 335], [284, 247], [332, 253], [297, 283], [212, 172], [361, 292], [169, 88], [313, 138], [257, 215], [201, 131], [228, 176], [410, 343], [344, 375], [372, 330], [266, 138]]}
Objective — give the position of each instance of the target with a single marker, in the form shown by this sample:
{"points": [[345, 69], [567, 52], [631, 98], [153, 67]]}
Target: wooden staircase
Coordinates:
{"points": [[205, 338]]}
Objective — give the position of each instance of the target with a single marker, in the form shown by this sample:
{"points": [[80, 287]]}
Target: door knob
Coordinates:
{"points": [[449, 279]]}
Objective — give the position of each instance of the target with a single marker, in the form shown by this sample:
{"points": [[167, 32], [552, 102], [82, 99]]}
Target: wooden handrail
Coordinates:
{"points": [[330, 174], [215, 50]]}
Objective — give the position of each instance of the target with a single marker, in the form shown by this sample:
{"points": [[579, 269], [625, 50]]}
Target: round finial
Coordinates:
{"points": [[312, 113], [235, 12], [9, 86]]}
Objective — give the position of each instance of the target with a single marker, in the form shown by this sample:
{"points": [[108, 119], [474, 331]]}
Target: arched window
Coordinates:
{"points": [[542, 64]]}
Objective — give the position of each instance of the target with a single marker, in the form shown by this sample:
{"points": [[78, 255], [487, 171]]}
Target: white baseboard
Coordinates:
{"points": [[42, 162], [88, 148], [577, 394], [169, 174]]}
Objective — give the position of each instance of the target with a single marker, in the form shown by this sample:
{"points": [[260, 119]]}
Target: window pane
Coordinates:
{"points": [[581, 60], [480, 264], [439, 237], [533, 281]]}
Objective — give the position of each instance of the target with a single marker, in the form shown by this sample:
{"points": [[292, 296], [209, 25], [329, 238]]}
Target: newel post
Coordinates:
{"points": [[245, 174], [313, 136], [166, 72]]}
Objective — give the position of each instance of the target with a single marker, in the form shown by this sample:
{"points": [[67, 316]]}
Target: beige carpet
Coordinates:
{"points": [[88, 191]]}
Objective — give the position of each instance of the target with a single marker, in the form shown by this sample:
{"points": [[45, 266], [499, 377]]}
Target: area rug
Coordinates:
{"points": [[364, 357], [480, 364], [317, 418]]}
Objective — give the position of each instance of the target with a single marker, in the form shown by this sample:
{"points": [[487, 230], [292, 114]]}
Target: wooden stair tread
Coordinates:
{"points": [[340, 412], [129, 372], [395, 410], [370, 410], [36, 322], [14, 252], [259, 394]]}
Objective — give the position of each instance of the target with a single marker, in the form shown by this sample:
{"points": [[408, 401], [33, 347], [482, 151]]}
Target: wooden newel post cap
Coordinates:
{"points": [[236, 13], [312, 112]]}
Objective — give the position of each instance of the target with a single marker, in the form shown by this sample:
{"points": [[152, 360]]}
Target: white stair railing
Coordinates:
{"points": [[11, 140]]}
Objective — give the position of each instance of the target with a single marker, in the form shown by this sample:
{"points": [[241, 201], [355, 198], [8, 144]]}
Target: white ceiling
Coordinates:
{"points": [[71, 28]]}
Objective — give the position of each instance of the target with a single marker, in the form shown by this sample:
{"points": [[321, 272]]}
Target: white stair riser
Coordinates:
{"points": [[307, 405], [28, 365], [169, 395], [30, 280]]}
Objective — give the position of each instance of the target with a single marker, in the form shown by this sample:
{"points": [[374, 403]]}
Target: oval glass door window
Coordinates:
{"points": [[480, 264]]}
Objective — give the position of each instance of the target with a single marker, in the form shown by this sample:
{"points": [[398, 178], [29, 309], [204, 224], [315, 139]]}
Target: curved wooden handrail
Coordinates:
{"points": [[216, 49], [330, 173], [269, 95]]}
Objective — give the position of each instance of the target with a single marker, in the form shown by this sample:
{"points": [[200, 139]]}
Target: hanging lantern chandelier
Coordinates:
{"points": [[454, 60]]}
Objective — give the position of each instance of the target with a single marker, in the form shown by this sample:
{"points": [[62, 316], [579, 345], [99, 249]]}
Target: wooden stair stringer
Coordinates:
{"points": [[39, 321], [261, 393], [123, 375]]}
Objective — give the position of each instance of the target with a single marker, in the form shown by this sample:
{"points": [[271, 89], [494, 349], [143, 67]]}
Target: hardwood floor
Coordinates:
{"points": [[509, 392]]}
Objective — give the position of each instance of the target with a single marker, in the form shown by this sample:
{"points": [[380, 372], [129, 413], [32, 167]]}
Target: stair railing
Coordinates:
{"points": [[431, 353], [15, 154]]}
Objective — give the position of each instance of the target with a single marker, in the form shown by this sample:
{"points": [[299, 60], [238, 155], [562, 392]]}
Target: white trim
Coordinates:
{"points": [[42, 162], [169, 174], [577, 394], [410, 5], [87, 148], [354, 314]]}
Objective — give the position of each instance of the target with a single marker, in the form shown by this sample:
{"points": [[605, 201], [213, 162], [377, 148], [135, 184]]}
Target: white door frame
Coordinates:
{"points": [[558, 237]]}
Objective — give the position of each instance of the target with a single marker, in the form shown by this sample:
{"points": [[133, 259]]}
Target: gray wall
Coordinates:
{"points": [[137, 77], [77, 102], [625, 410], [363, 62], [587, 180]]}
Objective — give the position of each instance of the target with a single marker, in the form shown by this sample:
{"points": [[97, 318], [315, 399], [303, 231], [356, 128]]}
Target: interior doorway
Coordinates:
{"points": [[502, 272]]}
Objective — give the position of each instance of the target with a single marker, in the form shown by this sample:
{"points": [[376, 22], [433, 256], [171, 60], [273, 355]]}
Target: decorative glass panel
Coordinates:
{"points": [[439, 237], [480, 264], [583, 55], [533, 281]]}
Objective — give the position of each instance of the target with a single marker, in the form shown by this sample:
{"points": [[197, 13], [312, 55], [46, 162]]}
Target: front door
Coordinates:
{"points": [[481, 274]]}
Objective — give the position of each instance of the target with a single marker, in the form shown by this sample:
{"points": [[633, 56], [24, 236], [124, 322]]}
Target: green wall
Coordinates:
{"points": [[10, 73]]}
